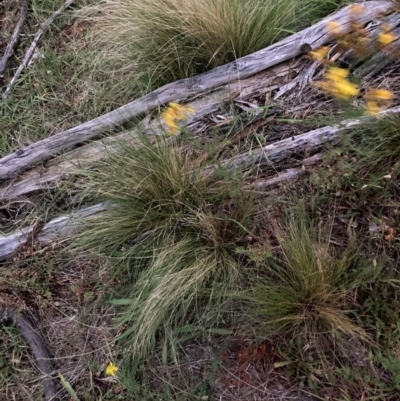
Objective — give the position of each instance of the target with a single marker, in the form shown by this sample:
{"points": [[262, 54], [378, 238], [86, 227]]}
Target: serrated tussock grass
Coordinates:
{"points": [[308, 290], [376, 146], [171, 39], [172, 230], [162, 41]]}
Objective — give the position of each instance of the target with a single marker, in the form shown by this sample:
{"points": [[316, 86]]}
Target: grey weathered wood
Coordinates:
{"points": [[270, 155], [61, 226], [43, 28], [287, 175], [40, 352], [58, 169], [14, 37], [308, 142], [184, 89]]}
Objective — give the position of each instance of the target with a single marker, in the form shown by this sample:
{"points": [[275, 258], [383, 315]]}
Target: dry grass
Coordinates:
{"points": [[306, 291], [161, 41], [171, 231]]}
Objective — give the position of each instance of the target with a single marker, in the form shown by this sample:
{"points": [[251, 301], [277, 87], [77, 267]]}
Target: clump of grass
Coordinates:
{"points": [[307, 292], [376, 146], [173, 228], [157, 42], [170, 39]]}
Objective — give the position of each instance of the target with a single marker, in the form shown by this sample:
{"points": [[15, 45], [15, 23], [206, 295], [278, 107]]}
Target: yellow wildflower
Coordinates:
{"points": [[174, 114], [357, 8], [381, 94], [344, 89], [376, 100], [337, 84], [333, 27], [386, 38], [372, 108], [320, 53], [111, 369], [336, 73]]}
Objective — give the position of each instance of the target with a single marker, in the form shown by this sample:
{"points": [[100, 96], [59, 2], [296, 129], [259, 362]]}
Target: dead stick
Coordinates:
{"points": [[39, 350], [287, 175], [10, 312], [14, 37], [43, 28]]}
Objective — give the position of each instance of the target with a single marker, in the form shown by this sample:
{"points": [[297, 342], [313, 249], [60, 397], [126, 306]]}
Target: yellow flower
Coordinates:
{"points": [[337, 84], [337, 73], [111, 369], [333, 27], [357, 8], [320, 53], [376, 100], [344, 89], [386, 38], [174, 114], [381, 94], [372, 108]]}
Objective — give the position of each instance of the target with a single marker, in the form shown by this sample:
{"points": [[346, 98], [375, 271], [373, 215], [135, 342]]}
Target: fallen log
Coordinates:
{"points": [[59, 227], [185, 89], [58, 169], [268, 156]]}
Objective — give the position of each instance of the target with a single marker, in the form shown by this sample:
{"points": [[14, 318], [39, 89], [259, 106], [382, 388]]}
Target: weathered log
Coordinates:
{"points": [[287, 175], [14, 37], [184, 89], [43, 28], [307, 143], [56, 170], [268, 156], [59, 227]]}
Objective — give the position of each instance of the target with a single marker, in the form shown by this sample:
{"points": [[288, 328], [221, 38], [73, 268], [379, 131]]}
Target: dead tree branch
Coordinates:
{"points": [[11, 311], [266, 157], [61, 226], [43, 28], [14, 37]]}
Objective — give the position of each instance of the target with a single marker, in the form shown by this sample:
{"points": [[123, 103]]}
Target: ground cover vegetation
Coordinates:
{"points": [[192, 285]]}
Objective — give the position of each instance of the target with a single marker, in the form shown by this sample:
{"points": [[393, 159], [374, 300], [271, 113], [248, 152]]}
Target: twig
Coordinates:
{"points": [[14, 37], [43, 28]]}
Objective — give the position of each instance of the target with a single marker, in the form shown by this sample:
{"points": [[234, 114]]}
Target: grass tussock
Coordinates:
{"points": [[376, 146], [308, 290], [173, 230], [156, 42], [167, 40]]}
